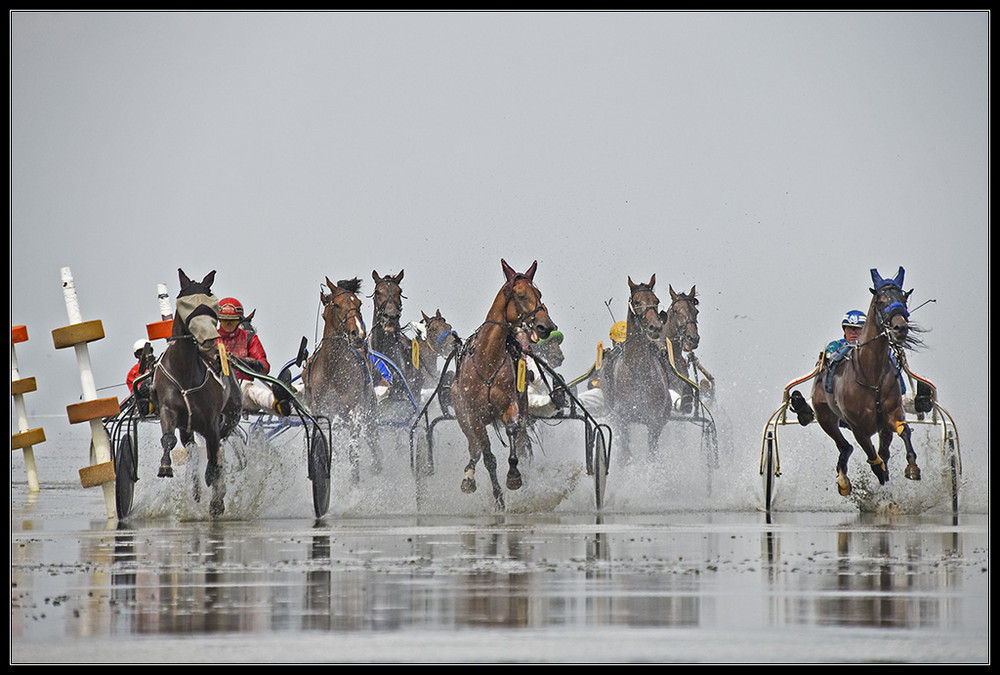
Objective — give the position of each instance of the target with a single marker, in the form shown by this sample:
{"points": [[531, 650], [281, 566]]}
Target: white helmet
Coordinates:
{"points": [[139, 346]]}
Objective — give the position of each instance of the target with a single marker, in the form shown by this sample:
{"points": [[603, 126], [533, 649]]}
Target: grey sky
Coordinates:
{"points": [[771, 159]]}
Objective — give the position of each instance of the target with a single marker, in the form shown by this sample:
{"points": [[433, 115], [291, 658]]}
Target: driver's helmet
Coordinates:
{"points": [[618, 331], [853, 318], [138, 347], [230, 309]]}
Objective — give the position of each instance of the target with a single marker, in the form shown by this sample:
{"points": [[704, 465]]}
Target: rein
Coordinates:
{"points": [[185, 392]]}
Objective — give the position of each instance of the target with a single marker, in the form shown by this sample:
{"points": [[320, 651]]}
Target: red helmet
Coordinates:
{"points": [[230, 309]]}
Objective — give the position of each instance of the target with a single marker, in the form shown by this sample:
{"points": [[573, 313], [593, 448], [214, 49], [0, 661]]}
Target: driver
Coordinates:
{"points": [[257, 397]]}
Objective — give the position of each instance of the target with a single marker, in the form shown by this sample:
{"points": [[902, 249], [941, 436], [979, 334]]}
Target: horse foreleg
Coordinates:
{"points": [[875, 459], [514, 431], [912, 471], [213, 477], [478, 440], [167, 441]]}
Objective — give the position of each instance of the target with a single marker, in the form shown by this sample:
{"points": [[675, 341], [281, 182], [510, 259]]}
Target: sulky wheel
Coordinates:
{"points": [[125, 475], [319, 471]]}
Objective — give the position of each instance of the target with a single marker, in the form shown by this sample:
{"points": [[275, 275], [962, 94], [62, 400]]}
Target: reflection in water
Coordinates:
{"points": [[386, 575], [868, 572]]}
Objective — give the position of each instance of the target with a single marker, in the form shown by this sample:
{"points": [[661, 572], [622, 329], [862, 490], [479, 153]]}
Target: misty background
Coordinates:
{"points": [[770, 159]]}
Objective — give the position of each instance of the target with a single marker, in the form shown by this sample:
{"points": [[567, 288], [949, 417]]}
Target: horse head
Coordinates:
{"points": [[644, 309], [342, 311], [388, 298], [524, 308], [197, 310], [888, 308], [439, 334], [681, 319]]}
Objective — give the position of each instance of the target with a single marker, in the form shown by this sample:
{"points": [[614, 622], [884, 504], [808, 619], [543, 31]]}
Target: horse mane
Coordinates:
{"points": [[350, 285]]}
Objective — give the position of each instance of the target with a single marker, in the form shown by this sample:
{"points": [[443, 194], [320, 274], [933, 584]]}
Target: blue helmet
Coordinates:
{"points": [[853, 318]]}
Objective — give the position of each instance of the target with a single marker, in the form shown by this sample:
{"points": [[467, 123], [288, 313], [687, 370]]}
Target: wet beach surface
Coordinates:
{"points": [[551, 580]]}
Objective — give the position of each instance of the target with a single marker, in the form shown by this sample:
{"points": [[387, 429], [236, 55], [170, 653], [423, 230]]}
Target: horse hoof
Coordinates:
{"points": [[217, 508], [165, 472], [468, 485], [912, 472], [513, 481], [843, 485]]}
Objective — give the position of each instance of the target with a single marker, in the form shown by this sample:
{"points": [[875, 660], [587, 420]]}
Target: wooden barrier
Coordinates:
{"points": [[26, 439], [92, 410]]}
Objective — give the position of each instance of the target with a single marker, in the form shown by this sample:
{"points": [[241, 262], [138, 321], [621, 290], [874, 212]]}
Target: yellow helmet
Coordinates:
{"points": [[618, 331]]}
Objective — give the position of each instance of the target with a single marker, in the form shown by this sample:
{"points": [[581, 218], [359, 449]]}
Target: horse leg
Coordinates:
{"points": [[875, 459], [514, 432], [213, 477], [912, 471], [167, 441], [830, 424], [478, 440], [653, 438]]}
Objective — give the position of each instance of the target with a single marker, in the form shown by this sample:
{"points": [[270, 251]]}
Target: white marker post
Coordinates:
{"points": [[92, 409], [26, 438]]}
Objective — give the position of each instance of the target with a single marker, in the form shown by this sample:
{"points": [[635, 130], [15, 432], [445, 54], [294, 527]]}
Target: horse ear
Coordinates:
{"points": [[673, 295], [898, 279], [876, 279], [426, 318], [208, 280], [508, 272], [652, 282], [531, 271], [631, 284], [329, 283], [438, 315], [692, 291], [185, 282], [375, 276], [398, 277]]}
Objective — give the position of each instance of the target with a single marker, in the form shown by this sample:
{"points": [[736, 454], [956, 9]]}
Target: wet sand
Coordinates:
{"points": [[550, 580]]}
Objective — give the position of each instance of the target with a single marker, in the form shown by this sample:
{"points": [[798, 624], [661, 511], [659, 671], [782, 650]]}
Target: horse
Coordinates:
{"points": [[485, 390], [680, 330], [634, 376], [195, 393], [866, 393], [336, 377], [437, 340], [386, 336]]}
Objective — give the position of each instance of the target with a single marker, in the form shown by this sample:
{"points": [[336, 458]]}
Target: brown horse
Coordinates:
{"points": [[485, 388], [195, 394], [437, 340], [680, 329], [866, 393], [634, 376], [337, 378]]}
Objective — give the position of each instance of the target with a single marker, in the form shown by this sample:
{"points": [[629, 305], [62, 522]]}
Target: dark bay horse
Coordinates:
{"points": [[866, 393], [337, 377], [485, 391], [634, 375], [680, 333], [386, 335], [195, 391]]}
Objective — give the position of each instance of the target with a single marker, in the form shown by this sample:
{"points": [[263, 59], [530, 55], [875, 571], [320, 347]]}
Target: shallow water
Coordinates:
{"points": [[662, 574]]}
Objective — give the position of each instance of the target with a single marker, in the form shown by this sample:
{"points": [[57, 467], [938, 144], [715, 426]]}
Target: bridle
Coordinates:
{"points": [[681, 325], [642, 311], [381, 314]]}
